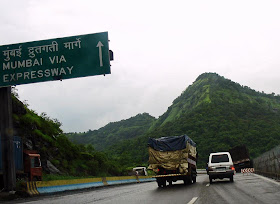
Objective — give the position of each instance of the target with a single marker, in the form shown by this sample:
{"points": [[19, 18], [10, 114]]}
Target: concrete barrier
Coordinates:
{"points": [[268, 164], [46, 187]]}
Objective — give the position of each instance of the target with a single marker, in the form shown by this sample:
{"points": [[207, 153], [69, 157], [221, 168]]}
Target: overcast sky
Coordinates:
{"points": [[160, 48]]}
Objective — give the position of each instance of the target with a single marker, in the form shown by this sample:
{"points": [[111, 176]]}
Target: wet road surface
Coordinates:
{"points": [[245, 189]]}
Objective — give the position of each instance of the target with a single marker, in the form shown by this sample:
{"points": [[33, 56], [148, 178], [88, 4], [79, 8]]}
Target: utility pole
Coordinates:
{"points": [[6, 133]]}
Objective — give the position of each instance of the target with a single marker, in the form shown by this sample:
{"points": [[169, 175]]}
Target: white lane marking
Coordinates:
{"points": [[193, 200], [208, 184], [267, 179]]}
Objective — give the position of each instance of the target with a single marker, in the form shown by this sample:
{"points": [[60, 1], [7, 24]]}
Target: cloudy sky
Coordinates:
{"points": [[160, 47]]}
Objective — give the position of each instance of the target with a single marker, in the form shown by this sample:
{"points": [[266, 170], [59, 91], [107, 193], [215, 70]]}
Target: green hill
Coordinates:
{"points": [[114, 132], [217, 114], [58, 154]]}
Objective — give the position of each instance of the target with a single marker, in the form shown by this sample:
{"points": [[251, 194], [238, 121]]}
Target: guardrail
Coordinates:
{"points": [[47, 187]]}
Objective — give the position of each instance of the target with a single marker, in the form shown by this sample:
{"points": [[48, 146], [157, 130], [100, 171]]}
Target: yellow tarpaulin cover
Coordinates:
{"points": [[171, 160]]}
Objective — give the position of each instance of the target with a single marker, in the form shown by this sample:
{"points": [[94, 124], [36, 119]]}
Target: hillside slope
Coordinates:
{"points": [[114, 132], [217, 114], [58, 154]]}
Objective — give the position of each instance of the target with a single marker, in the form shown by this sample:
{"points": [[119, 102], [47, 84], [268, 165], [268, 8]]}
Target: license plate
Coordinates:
{"points": [[221, 169]]}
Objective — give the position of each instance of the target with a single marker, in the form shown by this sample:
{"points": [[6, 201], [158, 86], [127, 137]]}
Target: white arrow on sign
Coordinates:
{"points": [[100, 45]]}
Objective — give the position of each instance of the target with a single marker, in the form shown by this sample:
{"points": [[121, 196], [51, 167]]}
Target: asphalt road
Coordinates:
{"points": [[245, 189]]}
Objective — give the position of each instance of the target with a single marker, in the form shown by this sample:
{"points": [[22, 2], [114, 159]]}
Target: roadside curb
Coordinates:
{"points": [[267, 179], [47, 187]]}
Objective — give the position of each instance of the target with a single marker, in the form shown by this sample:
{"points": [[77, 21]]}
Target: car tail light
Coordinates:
{"points": [[232, 168]]}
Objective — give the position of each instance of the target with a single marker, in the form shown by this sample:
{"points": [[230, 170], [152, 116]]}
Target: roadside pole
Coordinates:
{"points": [[6, 133]]}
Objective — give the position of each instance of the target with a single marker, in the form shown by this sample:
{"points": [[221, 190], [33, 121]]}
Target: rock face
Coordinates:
{"points": [[51, 168], [29, 144]]}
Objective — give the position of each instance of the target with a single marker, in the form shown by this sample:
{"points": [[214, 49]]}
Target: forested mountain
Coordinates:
{"points": [[114, 132], [217, 114]]}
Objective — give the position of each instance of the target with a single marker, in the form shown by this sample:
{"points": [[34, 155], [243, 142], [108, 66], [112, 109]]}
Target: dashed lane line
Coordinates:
{"points": [[193, 200]]}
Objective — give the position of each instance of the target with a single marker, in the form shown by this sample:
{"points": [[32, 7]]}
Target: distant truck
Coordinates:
{"points": [[240, 157], [27, 162], [173, 158]]}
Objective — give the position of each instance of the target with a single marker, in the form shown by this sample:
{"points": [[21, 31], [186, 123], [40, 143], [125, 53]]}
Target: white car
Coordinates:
{"points": [[140, 171], [220, 166]]}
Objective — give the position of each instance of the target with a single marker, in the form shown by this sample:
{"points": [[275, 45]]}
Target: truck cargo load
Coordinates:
{"points": [[173, 158], [240, 157], [18, 156]]}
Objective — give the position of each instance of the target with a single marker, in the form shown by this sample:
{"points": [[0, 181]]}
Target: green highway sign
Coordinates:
{"points": [[55, 59]]}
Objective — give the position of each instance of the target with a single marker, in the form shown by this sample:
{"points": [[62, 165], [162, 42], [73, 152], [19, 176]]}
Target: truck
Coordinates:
{"points": [[173, 158], [240, 157], [27, 162]]}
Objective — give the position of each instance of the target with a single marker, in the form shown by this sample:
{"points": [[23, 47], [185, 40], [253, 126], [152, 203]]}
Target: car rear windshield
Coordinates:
{"points": [[220, 158]]}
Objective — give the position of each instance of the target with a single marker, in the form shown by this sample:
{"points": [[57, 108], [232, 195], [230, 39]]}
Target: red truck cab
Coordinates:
{"points": [[32, 165]]}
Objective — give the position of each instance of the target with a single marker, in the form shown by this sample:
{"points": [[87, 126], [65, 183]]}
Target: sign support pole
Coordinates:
{"points": [[6, 133]]}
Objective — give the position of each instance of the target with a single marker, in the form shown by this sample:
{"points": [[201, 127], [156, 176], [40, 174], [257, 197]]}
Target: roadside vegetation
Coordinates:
{"points": [[44, 135]]}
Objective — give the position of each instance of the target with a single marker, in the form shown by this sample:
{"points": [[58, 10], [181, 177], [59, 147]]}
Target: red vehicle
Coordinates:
{"points": [[27, 162], [32, 165]]}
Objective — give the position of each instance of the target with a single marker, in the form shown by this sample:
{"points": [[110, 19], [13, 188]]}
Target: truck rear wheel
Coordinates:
{"points": [[161, 182], [210, 179], [187, 180], [193, 176], [194, 179], [158, 182]]}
